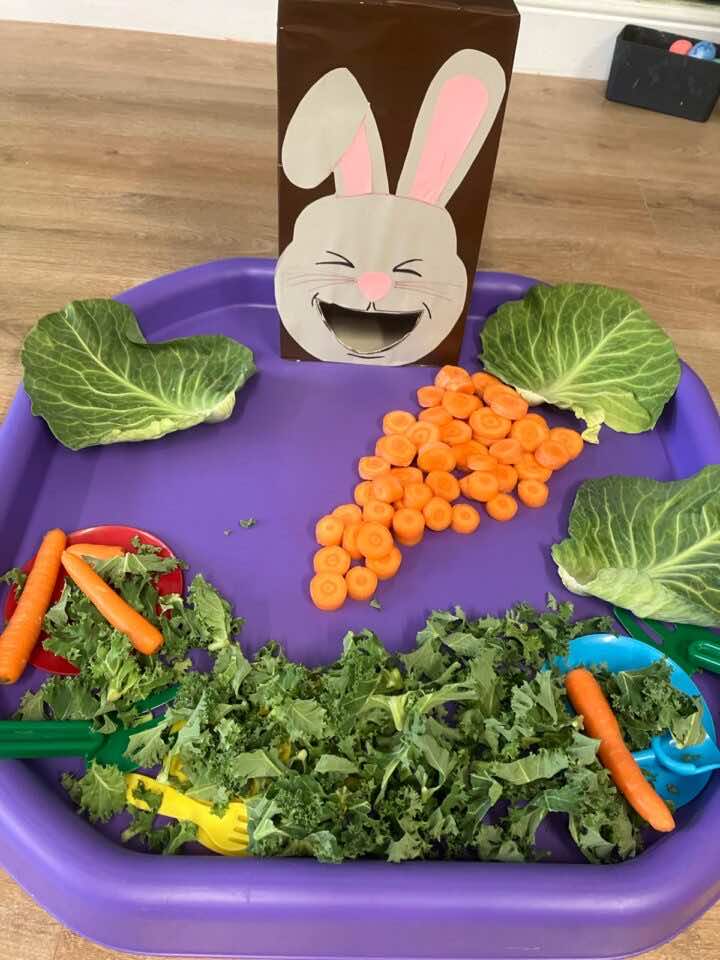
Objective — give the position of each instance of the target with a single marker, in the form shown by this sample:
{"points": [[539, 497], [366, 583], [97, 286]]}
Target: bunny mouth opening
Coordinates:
{"points": [[365, 333]]}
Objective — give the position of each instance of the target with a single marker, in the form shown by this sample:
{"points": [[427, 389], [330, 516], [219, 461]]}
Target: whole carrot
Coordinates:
{"points": [[99, 551], [140, 632], [22, 632], [588, 699]]}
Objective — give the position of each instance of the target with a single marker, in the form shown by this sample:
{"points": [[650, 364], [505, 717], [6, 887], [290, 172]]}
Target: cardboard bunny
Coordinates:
{"points": [[371, 277]]}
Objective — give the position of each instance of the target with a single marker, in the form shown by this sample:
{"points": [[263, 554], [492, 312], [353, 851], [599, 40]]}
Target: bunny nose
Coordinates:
{"points": [[374, 286]]}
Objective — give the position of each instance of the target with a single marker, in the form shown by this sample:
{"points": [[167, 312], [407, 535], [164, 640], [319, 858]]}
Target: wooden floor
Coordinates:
{"points": [[124, 156]]}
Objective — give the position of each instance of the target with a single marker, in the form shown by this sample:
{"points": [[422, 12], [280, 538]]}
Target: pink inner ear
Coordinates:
{"points": [[459, 108], [355, 165]]}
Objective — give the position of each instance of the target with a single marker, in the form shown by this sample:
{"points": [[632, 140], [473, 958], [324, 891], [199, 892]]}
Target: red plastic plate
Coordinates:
{"points": [[114, 536]]}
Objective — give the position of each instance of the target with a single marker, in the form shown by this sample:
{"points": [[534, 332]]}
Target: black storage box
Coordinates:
{"points": [[645, 74]]}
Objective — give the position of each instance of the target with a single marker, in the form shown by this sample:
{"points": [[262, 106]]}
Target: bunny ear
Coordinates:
{"points": [[456, 115], [333, 130]]}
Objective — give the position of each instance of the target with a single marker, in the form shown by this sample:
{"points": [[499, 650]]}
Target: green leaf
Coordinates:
{"points": [[92, 376], [100, 793], [585, 348], [301, 718], [650, 546], [255, 765], [212, 612], [249, 522], [329, 763], [542, 765], [148, 748]]}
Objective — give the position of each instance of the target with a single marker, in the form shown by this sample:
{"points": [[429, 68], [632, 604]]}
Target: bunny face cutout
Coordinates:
{"points": [[371, 277]]}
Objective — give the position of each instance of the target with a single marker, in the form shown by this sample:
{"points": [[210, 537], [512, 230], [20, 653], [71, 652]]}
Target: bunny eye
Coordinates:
{"points": [[341, 261], [404, 268]]}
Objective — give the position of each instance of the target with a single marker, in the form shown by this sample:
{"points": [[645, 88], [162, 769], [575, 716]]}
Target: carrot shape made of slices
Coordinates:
{"points": [[140, 632], [21, 634], [588, 699]]}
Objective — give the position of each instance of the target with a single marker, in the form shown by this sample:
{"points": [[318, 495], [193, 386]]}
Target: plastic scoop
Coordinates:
{"points": [[693, 648], [687, 761]]}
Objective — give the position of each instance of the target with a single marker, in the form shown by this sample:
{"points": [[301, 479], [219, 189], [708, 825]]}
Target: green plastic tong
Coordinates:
{"points": [[29, 739], [692, 648]]}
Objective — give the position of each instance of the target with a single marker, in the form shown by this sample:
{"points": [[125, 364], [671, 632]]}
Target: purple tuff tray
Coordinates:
{"points": [[270, 463]]}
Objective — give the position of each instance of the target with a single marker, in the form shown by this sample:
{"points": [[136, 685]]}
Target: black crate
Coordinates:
{"points": [[645, 74]]}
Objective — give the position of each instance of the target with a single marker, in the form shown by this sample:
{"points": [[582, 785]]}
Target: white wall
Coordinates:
{"points": [[570, 38]]}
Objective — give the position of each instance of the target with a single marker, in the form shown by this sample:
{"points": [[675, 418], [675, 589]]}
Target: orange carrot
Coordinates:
{"points": [[362, 492], [371, 467], [430, 396], [348, 513], [416, 495], [507, 477], [502, 507], [495, 389], [443, 484], [349, 540], [551, 454], [331, 560], [463, 451], [436, 456], [529, 432], [482, 486], [464, 486], [456, 432], [487, 427], [397, 421], [328, 591], [329, 530], [386, 567], [510, 405], [460, 405], [483, 462], [99, 551], [507, 450], [378, 511], [374, 540], [533, 493], [569, 439], [386, 488], [361, 583], [407, 475], [438, 415], [23, 629], [599, 721], [529, 469], [145, 637], [481, 380], [538, 418], [423, 432], [438, 514], [465, 519], [396, 449], [454, 379], [409, 526]]}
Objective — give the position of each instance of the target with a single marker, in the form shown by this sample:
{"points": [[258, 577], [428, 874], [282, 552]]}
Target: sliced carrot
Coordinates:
{"points": [[430, 396], [481, 380], [387, 488], [510, 405], [386, 567], [398, 503], [143, 635], [533, 493], [507, 450], [349, 540], [377, 511], [481, 486], [551, 454], [396, 449], [19, 637], [529, 432], [503, 507], [454, 379], [331, 560], [455, 432], [465, 518], [374, 540], [443, 484], [348, 513], [407, 475], [423, 432], [529, 469], [464, 486], [362, 492], [487, 427], [438, 415], [438, 514], [436, 456], [409, 526], [461, 405], [465, 450], [483, 462], [329, 531], [98, 551], [507, 478], [416, 495], [495, 389], [371, 467], [361, 583], [397, 421], [569, 439], [328, 591]]}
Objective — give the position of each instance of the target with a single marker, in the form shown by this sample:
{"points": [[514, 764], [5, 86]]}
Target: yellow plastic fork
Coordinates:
{"points": [[226, 835]]}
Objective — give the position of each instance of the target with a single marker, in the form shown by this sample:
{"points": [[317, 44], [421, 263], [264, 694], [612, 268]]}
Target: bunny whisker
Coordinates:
{"points": [[418, 289], [321, 278], [425, 282]]}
